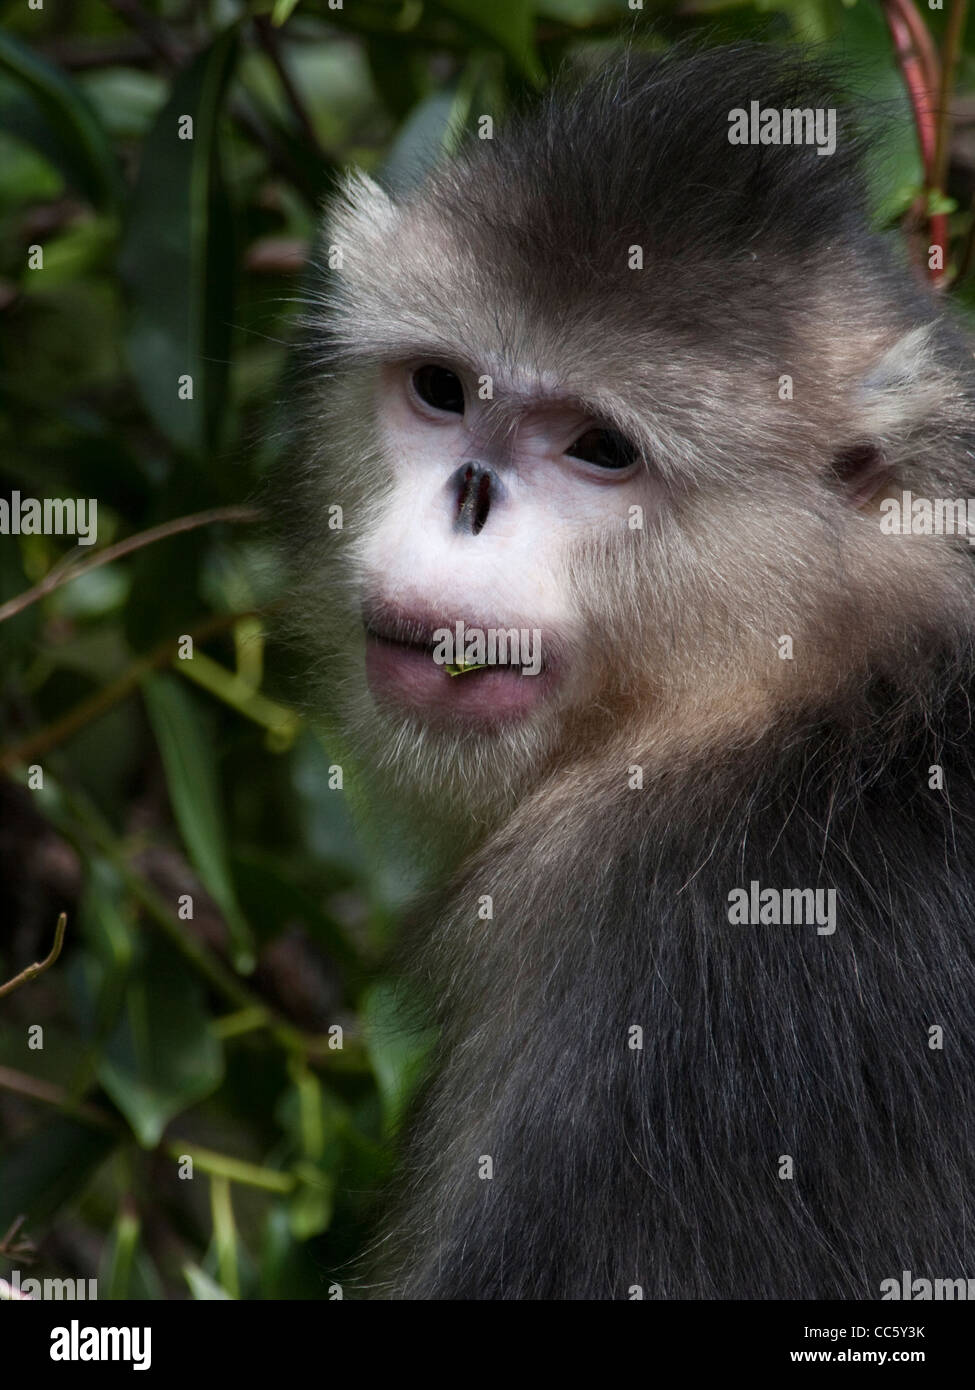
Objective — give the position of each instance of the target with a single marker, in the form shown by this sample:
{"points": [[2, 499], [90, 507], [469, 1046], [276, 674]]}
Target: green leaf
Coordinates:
{"points": [[162, 1055], [48, 1167], [422, 141], [187, 753], [507, 23], [276, 902], [226, 1242], [80, 250], [177, 261], [49, 111], [397, 1048], [25, 175], [312, 1203], [127, 99], [863, 50], [202, 1287], [61, 1062], [938, 202], [398, 77], [107, 922], [283, 9], [118, 1259], [579, 12]]}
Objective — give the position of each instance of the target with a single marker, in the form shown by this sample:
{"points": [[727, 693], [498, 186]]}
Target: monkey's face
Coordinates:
{"points": [[490, 484], [575, 497], [455, 640]]}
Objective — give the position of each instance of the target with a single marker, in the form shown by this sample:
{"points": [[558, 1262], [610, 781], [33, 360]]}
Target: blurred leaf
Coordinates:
{"points": [[314, 1119], [225, 1239], [104, 917], [312, 1203], [92, 595], [166, 580], [397, 1048], [202, 1287], [144, 1281], [49, 111], [117, 1265], [312, 1111], [275, 902], [76, 251], [893, 162], [397, 79], [283, 9], [25, 175], [508, 23], [49, 1167], [127, 99], [420, 143], [18, 632], [580, 11], [177, 261], [162, 1056], [304, 165], [100, 975], [191, 777], [60, 1061]]}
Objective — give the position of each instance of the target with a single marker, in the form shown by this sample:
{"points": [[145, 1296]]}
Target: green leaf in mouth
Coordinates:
{"points": [[458, 668]]}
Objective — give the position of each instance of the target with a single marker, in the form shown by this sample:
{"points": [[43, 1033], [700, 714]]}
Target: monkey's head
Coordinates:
{"points": [[631, 395]]}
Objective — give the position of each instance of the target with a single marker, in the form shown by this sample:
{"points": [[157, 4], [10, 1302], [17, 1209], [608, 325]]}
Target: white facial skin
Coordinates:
{"points": [[423, 565]]}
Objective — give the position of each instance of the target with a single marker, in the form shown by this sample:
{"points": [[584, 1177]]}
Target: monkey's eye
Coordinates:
{"points": [[605, 449], [439, 387]]}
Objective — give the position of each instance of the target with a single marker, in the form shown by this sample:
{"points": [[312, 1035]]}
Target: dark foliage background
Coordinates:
{"points": [[224, 917]]}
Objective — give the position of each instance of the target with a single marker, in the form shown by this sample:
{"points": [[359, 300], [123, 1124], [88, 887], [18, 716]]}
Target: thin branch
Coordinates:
{"points": [[80, 55], [269, 42], [155, 35], [32, 971], [950, 51], [915, 79], [924, 45], [233, 1169], [915, 60], [59, 575], [20, 1084]]}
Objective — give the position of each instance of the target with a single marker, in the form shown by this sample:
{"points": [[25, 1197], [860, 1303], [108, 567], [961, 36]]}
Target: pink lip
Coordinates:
{"points": [[408, 677]]}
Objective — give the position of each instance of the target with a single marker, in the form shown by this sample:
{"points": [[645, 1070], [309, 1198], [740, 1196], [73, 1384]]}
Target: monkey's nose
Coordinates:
{"points": [[476, 489]]}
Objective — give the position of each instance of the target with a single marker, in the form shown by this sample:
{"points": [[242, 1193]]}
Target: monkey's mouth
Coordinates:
{"points": [[410, 666]]}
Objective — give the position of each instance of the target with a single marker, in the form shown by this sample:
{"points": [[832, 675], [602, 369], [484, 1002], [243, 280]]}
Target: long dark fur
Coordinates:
{"points": [[660, 1168]]}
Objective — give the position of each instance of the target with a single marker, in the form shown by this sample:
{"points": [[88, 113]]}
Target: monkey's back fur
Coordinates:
{"points": [[669, 1100]]}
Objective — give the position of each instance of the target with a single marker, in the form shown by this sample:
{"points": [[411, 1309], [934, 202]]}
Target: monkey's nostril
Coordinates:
{"points": [[475, 489], [482, 502]]}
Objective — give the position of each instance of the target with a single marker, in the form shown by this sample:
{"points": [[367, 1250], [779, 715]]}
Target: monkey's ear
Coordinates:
{"points": [[861, 470], [362, 211], [897, 400]]}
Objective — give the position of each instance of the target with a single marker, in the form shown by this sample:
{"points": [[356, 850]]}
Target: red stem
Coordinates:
{"points": [[920, 69]]}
